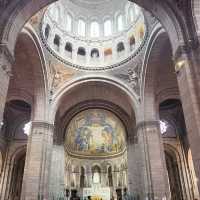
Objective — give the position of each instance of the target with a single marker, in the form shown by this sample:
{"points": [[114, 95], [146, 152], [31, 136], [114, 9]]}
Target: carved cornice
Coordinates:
{"points": [[42, 125]]}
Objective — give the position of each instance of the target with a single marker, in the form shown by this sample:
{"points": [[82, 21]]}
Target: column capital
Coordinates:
{"points": [[41, 125], [147, 124], [6, 59]]}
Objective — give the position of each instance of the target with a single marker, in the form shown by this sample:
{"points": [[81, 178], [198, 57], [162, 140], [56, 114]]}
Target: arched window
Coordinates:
{"points": [[82, 177], [68, 23], [81, 51], [81, 27], [68, 49], [110, 178], [94, 29], [141, 32], [131, 14], [120, 24], [94, 53], [132, 42], [96, 174], [137, 10], [107, 28], [108, 54], [47, 31], [56, 42], [120, 47]]}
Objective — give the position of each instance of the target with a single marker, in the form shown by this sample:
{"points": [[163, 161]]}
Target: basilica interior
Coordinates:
{"points": [[98, 97]]}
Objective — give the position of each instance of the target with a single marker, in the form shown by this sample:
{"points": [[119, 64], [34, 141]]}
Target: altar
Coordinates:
{"points": [[97, 193]]}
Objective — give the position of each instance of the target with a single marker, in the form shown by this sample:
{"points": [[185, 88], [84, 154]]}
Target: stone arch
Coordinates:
{"points": [[150, 66], [18, 160], [20, 15], [36, 94], [98, 82], [173, 158]]}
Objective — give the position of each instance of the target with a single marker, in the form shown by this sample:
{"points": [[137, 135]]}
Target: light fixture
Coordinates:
{"points": [[27, 128], [1, 124], [180, 64], [163, 126]]}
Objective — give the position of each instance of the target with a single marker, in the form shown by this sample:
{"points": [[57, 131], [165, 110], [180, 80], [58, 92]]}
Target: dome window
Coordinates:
{"points": [[108, 54], [137, 10], [131, 14], [132, 42], [94, 29], [81, 27], [69, 23], [96, 174], [81, 51], [141, 32], [56, 42], [94, 53], [107, 28], [120, 47], [120, 26], [68, 49], [47, 31]]}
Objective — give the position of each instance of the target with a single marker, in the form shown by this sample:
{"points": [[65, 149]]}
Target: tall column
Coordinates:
{"points": [[187, 68], [6, 61], [134, 174], [152, 166], [38, 162]]}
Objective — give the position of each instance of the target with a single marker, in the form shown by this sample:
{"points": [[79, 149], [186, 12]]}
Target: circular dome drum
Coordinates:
{"points": [[95, 133], [93, 35]]}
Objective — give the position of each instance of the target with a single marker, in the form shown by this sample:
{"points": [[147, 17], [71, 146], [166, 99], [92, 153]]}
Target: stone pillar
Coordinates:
{"points": [[152, 166], [38, 162], [57, 172], [187, 68], [6, 178], [133, 161], [6, 61]]}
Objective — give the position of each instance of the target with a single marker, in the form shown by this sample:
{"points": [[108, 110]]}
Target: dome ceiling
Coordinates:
{"points": [[93, 35], [95, 133]]}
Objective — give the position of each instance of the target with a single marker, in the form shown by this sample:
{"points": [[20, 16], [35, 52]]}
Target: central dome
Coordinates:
{"points": [[93, 34], [95, 133]]}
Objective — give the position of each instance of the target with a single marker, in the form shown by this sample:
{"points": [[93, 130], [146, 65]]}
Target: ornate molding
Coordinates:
{"points": [[60, 74], [133, 76], [42, 126]]}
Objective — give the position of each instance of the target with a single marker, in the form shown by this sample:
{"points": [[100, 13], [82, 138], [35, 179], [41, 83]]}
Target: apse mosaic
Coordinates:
{"points": [[95, 132]]}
